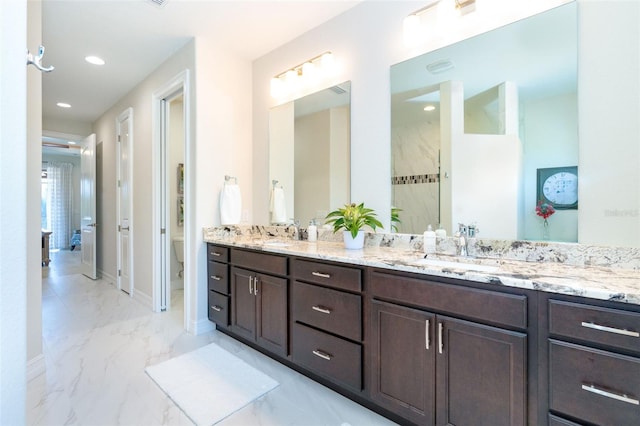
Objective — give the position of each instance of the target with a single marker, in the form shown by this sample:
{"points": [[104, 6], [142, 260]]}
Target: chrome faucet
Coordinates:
{"points": [[462, 240], [296, 229]]}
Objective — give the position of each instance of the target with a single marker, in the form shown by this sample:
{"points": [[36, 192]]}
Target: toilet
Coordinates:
{"points": [[178, 246]]}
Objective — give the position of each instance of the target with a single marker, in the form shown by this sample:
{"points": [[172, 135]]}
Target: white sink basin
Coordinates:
{"points": [[456, 265]]}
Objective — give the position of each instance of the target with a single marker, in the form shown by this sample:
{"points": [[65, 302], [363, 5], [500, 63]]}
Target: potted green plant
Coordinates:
{"points": [[395, 218], [352, 218]]}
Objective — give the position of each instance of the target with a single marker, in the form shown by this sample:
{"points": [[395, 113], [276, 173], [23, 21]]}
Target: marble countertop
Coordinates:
{"points": [[622, 285]]}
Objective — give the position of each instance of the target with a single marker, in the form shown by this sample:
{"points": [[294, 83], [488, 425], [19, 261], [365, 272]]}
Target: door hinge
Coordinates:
{"points": [[119, 138], [118, 183], [119, 228], [119, 273], [163, 231]]}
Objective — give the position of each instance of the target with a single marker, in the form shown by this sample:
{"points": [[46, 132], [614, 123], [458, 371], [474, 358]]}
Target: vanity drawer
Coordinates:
{"points": [[218, 277], [327, 355], [219, 308], [342, 277], [217, 253], [593, 385], [477, 304], [559, 421], [611, 327], [257, 261], [331, 310]]}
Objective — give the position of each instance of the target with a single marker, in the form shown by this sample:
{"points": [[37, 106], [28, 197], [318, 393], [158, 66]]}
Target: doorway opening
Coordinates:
{"points": [[171, 290]]}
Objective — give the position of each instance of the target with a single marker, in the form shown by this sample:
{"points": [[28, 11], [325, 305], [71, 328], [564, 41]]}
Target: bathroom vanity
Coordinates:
{"points": [[459, 342]]}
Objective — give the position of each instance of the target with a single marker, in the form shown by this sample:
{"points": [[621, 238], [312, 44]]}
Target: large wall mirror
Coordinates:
{"points": [[472, 125], [309, 160]]}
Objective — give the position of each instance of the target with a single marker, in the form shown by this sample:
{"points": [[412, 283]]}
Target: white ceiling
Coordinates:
{"points": [[135, 36]]}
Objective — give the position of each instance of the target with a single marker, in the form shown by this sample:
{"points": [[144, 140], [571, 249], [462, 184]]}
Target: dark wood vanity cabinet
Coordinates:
{"points": [[594, 363], [326, 321], [433, 368], [218, 284], [259, 300]]}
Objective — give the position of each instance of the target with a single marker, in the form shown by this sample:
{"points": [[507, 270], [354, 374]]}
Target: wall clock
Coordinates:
{"points": [[558, 186]]}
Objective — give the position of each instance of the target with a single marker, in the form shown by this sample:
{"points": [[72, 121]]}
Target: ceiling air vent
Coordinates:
{"points": [[338, 90]]}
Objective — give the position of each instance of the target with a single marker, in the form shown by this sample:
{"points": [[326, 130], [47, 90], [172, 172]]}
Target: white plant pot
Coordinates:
{"points": [[351, 243]]}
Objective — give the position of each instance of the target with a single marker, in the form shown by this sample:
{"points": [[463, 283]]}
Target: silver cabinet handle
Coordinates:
{"points": [[426, 334], [440, 337], [610, 329], [250, 285], [216, 308], [215, 277], [322, 355], [321, 309], [213, 253], [255, 286], [320, 274], [602, 392]]}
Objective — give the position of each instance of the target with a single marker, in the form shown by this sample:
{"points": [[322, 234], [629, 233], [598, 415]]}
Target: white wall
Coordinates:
{"points": [[35, 358], [13, 212]]}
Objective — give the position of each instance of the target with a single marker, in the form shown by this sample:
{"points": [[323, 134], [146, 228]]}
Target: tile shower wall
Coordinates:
{"points": [[415, 174]]}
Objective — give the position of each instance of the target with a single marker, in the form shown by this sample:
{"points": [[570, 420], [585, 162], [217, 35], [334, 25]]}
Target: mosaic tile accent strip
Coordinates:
{"points": [[412, 179]]}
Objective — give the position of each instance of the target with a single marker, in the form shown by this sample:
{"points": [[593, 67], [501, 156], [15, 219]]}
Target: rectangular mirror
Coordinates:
{"points": [[472, 123], [309, 155]]}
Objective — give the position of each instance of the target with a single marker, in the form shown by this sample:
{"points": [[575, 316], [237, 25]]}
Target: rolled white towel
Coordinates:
{"points": [[278, 206], [230, 204]]}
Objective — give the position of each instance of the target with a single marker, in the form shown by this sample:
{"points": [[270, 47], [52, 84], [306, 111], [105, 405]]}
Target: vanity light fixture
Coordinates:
{"points": [[415, 31], [305, 74]]}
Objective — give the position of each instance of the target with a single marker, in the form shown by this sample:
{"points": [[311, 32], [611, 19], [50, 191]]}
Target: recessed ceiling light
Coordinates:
{"points": [[94, 60], [63, 105], [71, 142], [429, 108]]}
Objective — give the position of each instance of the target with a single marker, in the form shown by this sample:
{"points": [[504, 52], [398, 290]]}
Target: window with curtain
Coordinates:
{"points": [[59, 203]]}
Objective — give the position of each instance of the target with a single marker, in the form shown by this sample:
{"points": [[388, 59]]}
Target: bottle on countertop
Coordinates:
{"points": [[429, 240], [312, 231], [441, 232]]}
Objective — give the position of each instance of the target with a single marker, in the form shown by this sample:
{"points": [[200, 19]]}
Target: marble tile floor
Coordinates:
{"points": [[97, 342]]}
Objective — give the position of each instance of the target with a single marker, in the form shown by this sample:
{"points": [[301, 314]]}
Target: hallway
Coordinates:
{"points": [[97, 342]]}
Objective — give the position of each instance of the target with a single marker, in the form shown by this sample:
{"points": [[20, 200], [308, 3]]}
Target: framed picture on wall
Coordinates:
{"points": [[558, 186], [180, 175]]}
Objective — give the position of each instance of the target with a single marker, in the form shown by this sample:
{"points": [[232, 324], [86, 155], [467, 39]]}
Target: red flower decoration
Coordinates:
{"points": [[544, 210]]}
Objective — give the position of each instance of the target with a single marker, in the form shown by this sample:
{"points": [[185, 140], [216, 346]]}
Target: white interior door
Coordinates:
{"points": [[125, 263], [88, 205]]}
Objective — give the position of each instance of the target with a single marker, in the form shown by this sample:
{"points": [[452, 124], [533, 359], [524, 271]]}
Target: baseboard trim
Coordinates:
{"points": [[106, 276], [35, 367], [201, 326], [143, 298]]}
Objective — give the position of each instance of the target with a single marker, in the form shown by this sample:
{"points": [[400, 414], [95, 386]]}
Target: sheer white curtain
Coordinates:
{"points": [[59, 203]]}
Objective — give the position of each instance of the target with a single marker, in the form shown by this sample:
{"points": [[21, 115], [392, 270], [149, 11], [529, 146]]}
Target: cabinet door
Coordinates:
{"points": [[403, 361], [243, 298], [481, 375], [271, 313]]}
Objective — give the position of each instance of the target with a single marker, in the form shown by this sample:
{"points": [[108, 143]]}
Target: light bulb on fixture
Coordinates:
{"points": [[328, 63], [277, 87], [429, 108], [304, 76]]}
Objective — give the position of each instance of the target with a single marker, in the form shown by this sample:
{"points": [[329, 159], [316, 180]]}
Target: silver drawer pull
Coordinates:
{"points": [[440, 337], [321, 309], [610, 329], [215, 277], [322, 355], [216, 308], [623, 398], [426, 333], [213, 253], [321, 274]]}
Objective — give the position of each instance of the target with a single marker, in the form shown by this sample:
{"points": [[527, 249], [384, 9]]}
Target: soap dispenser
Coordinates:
{"points": [[312, 231], [429, 240], [441, 232]]}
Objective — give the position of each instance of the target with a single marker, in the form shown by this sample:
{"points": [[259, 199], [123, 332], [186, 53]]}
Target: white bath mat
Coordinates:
{"points": [[210, 383]]}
